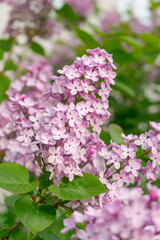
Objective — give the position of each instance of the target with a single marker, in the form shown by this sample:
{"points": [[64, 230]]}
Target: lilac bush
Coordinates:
{"points": [[73, 174]]}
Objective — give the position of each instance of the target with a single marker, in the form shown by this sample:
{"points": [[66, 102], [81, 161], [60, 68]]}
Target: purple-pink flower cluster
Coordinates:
{"points": [[13, 120], [31, 17], [81, 7], [54, 122], [112, 21], [132, 216], [123, 212]]}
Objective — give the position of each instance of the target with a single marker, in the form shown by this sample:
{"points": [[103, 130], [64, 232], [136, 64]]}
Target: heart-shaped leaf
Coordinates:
{"points": [[15, 178], [35, 217], [80, 188]]}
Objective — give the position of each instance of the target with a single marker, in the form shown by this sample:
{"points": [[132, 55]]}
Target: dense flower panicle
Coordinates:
{"points": [[81, 7], [131, 216], [31, 17], [138, 27], [124, 213], [57, 123], [14, 119], [111, 20], [34, 83]]}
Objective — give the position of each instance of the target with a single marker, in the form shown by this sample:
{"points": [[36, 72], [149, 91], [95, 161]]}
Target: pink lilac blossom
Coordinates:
{"points": [[138, 28], [17, 147], [81, 7], [31, 17], [124, 213], [132, 216], [55, 118], [110, 21]]}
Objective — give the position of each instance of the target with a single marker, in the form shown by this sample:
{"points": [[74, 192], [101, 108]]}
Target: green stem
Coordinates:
{"points": [[13, 45], [12, 229], [145, 152], [23, 56]]}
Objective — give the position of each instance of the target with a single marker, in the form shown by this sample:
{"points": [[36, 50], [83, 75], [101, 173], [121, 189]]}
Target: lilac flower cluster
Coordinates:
{"points": [[33, 83], [56, 124], [132, 216], [138, 27], [81, 7], [125, 164], [31, 17], [112, 21], [123, 213]]}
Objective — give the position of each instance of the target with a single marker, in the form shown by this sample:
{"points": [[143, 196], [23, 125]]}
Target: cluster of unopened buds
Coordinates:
{"points": [[53, 123]]}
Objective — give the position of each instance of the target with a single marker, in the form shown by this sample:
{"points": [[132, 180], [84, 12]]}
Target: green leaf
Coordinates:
{"points": [[53, 236], [150, 39], [10, 65], [154, 4], [15, 178], [35, 217], [121, 56], [157, 182], [110, 34], [125, 88], [4, 232], [4, 81], [54, 231], [37, 48], [105, 137], [80, 188], [68, 13], [11, 200], [1, 54], [37, 237], [131, 41], [85, 37], [2, 220], [143, 184], [44, 180], [115, 132], [4, 85], [6, 44]]}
